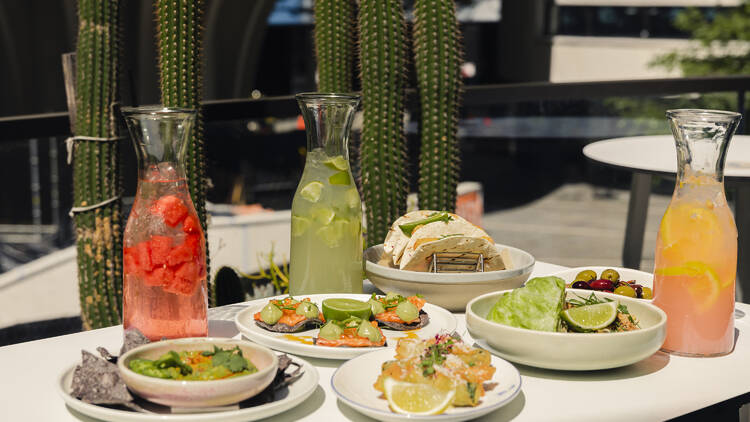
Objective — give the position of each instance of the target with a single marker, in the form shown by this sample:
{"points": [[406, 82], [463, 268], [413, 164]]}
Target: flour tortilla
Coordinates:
{"points": [[396, 240], [420, 257]]}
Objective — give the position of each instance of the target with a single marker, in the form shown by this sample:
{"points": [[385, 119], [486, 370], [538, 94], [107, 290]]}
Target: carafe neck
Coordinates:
{"points": [[328, 119]]}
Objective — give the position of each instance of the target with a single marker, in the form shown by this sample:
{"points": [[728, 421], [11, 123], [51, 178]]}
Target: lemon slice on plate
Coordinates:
{"points": [[591, 317], [416, 399]]}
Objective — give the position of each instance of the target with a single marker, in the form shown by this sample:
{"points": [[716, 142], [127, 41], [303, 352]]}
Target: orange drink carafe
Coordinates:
{"points": [[696, 246]]}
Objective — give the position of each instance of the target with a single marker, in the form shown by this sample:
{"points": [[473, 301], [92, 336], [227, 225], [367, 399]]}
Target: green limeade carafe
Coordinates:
{"points": [[326, 244]]}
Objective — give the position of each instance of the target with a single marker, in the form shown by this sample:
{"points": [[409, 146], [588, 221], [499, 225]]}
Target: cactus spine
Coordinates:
{"points": [[437, 54], [180, 37], [335, 33], [96, 175], [383, 60]]}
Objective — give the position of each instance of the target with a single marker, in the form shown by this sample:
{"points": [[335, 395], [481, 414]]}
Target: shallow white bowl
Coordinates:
{"points": [[450, 291], [570, 351], [626, 274], [199, 393]]}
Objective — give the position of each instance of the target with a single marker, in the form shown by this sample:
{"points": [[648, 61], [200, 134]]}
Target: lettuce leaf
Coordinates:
{"points": [[535, 306]]}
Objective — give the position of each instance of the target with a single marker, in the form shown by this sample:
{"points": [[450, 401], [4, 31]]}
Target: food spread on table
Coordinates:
{"points": [[428, 376], [345, 322], [609, 281], [541, 305], [196, 365], [413, 239]]}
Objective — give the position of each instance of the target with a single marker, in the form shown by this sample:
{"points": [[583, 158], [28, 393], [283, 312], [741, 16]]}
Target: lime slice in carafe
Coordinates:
{"points": [[300, 225], [591, 317], [340, 178], [337, 163], [340, 309], [323, 215], [352, 198], [311, 191]]}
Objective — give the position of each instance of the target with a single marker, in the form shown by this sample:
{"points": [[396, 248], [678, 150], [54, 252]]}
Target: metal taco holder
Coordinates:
{"points": [[457, 262]]}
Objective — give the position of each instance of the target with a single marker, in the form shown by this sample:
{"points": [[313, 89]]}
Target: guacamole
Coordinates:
{"points": [[196, 365]]}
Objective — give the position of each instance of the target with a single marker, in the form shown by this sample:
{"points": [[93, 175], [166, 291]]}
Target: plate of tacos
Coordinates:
{"points": [[403, 263], [340, 326]]}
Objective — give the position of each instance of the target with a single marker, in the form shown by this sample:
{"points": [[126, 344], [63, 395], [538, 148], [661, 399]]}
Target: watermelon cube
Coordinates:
{"points": [[191, 225], [183, 252], [185, 279], [143, 256], [188, 270], [171, 209], [129, 261], [160, 246], [181, 286], [160, 276]]}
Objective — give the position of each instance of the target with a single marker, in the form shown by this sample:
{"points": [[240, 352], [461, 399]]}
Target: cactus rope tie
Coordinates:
{"points": [[70, 142], [75, 210]]}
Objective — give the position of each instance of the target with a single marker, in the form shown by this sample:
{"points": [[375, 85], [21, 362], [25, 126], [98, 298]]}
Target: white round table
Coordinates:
{"points": [[656, 155]]}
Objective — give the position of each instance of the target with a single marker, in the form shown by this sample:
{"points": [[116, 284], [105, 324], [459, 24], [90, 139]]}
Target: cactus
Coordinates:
{"points": [[383, 60], [335, 33], [437, 57], [180, 37], [96, 175]]}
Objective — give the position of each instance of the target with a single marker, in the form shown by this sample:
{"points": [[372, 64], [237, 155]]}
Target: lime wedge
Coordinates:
{"points": [[352, 198], [323, 215], [591, 317], [415, 398], [299, 225], [340, 178], [337, 163], [311, 191], [330, 235], [340, 309]]}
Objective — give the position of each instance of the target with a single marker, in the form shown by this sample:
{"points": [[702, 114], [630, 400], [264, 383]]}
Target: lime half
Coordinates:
{"points": [[311, 191], [340, 178], [337, 163], [591, 317], [415, 398], [299, 225], [340, 309]]}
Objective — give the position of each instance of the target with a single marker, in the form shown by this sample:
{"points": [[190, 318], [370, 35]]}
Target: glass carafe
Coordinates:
{"points": [[696, 247], [326, 244], [164, 255]]}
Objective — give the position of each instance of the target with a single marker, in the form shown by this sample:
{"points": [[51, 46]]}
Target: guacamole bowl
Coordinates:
{"points": [[193, 393], [569, 351], [451, 291]]}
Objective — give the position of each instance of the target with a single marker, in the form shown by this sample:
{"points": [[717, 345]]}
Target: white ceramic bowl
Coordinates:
{"points": [[450, 291], [626, 274], [570, 351], [199, 393]]}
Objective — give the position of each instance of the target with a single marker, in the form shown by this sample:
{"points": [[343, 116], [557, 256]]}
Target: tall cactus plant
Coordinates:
{"points": [[437, 56], [383, 60], [96, 178], [180, 38], [335, 34]]}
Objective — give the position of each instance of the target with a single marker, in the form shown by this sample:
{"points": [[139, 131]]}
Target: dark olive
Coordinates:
{"points": [[610, 274], [586, 275], [638, 290], [602, 284], [580, 285]]}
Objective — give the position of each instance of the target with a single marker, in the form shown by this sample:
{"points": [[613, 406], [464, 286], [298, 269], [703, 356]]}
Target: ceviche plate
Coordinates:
{"points": [[298, 391], [301, 343], [353, 384]]}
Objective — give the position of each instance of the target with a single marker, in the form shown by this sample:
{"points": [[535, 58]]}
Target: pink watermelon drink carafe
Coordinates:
{"points": [[164, 251]]}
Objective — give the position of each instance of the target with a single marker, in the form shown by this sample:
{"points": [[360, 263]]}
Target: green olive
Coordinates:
{"points": [[376, 306], [407, 311], [331, 331], [611, 275], [367, 330], [307, 309], [270, 314], [625, 290], [586, 275], [647, 293]]}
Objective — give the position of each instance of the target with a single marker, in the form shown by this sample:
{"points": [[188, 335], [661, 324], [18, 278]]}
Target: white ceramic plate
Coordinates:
{"points": [[352, 383], [301, 343], [570, 351], [626, 274], [298, 392]]}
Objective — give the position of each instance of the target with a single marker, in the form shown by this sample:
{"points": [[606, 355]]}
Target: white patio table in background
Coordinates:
{"points": [[646, 156], [657, 388]]}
